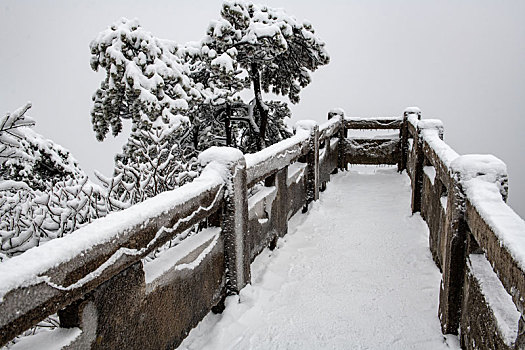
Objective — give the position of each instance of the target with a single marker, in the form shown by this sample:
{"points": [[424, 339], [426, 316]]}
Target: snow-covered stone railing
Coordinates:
{"points": [[62, 274], [98, 280], [109, 295], [373, 149], [476, 239], [293, 171]]}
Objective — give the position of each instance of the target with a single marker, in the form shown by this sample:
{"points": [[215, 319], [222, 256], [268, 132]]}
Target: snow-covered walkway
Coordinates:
{"points": [[355, 272]]}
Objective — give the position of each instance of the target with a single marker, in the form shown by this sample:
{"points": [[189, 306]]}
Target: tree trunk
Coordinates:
{"points": [[259, 104], [227, 125], [195, 136]]}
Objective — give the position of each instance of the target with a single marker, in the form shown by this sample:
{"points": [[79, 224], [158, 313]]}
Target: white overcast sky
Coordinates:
{"points": [[462, 61]]}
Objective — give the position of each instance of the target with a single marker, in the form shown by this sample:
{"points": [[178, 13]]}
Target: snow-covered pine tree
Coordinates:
{"points": [[147, 83], [277, 51]]}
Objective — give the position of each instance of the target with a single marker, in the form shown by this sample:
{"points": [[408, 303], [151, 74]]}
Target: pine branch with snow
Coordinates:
{"points": [[145, 81], [27, 156], [11, 133], [276, 50]]}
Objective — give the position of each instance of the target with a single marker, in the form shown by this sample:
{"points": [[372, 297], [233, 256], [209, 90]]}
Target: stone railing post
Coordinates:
{"points": [[327, 154], [454, 254], [280, 214], [313, 166], [234, 221], [403, 135], [418, 160], [417, 181], [103, 312], [343, 132], [312, 159]]}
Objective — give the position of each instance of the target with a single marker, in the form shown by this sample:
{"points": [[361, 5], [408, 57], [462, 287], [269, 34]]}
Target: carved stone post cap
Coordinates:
{"points": [[221, 155], [431, 124], [413, 110], [220, 161], [336, 112], [484, 167], [307, 125]]}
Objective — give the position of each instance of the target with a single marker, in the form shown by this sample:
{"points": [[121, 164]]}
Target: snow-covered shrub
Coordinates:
{"points": [[162, 165], [43, 192], [27, 156], [29, 217], [11, 133]]}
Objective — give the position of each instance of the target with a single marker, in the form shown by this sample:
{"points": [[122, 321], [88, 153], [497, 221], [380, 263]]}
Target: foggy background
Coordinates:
{"points": [[460, 61]]}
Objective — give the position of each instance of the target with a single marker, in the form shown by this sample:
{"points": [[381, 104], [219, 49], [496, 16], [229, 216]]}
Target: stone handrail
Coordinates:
{"points": [[48, 278], [96, 278], [98, 281], [375, 123], [476, 239]]}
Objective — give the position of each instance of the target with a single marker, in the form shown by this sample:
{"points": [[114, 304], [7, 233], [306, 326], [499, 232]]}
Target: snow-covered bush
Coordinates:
{"points": [[11, 133], [43, 192], [27, 156], [161, 165], [29, 217]]}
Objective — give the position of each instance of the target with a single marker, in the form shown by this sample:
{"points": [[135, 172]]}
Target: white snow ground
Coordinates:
{"points": [[355, 272]]}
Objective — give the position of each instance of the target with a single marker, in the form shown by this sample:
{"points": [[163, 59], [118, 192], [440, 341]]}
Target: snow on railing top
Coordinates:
{"points": [[431, 135], [329, 128], [275, 157], [375, 123], [271, 159], [254, 160], [445, 153], [508, 226]]}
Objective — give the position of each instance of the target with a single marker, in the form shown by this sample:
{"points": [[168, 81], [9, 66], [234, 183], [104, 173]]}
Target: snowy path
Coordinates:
{"points": [[355, 272]]}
